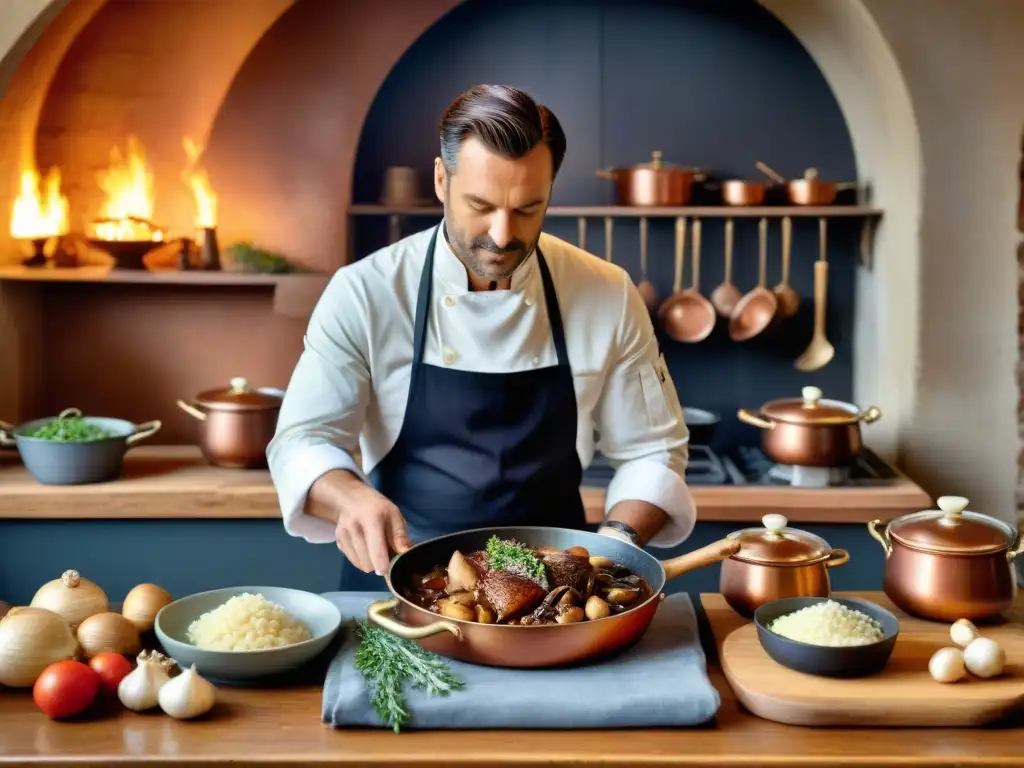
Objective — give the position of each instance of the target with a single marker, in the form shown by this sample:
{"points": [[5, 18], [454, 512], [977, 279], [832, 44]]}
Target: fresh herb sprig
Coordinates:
{"points": [[73, 429], [389, 662], [518, 559]]}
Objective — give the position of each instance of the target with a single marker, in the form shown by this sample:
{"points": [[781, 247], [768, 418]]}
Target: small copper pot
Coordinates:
{"points": [[810, 431], [743, 193], [236, 424], [776, 562], [949, 564], [653, 183]]}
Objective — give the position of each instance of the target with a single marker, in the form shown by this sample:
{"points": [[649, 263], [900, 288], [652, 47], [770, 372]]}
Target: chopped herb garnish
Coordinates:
{"points": [[518, 559]]}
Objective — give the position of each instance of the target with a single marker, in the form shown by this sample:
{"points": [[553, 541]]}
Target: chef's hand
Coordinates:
{"points": [[368, 524]]}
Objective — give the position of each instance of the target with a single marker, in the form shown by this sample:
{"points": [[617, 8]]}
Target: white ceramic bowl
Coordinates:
{"points": [[318, 613]]}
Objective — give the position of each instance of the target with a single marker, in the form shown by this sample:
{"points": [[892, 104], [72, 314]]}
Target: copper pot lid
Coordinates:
{"points": [[812, 409], [239, 396], [657, 163], [952, 530], [777, 544]]}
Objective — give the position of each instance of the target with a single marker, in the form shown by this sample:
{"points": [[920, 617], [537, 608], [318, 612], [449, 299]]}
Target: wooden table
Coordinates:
{"points": [[283, 728]]}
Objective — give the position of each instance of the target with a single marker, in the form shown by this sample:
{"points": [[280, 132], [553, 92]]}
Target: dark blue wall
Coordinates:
{"points": [[713, 83]]}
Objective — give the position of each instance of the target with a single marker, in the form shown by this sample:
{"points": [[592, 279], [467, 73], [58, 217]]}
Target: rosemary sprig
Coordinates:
{"points": [[518, 559], [388, 662]]}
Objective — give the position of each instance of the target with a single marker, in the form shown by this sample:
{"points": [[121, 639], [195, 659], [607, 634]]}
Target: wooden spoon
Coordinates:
{"points": [[755, 310], [788, 299], [725, 296], [647, 290], [820, 351]]}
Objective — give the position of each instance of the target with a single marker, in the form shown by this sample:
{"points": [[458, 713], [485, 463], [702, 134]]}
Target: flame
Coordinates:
{"points": [[127, 213], [37, 215], [202, 190]]}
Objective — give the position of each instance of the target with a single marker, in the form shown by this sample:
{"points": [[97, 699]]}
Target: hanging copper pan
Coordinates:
{"points": [[538, 645]]}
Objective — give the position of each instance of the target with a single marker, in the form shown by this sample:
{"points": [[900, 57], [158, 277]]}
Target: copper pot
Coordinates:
{"points": [[949, 564], [743, 193], [653, 183], [776, 562], [521, 646], [810, 431], [236, 424], [810, 190]]}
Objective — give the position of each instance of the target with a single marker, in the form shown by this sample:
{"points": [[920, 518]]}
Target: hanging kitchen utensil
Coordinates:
{"points": [[646, 288], [820, 351], [755, 310], [581, 232], [787, 299], [726, 295], [609, 224], [695, 318], [671, 311], [810, 190], [653, 183]]}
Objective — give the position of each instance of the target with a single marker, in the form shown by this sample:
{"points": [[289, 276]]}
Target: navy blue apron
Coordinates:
{"points": [[482, 449]]}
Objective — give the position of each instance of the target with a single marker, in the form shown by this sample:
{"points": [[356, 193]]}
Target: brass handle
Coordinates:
{"points": [[69, 413], [838, 557], [375, 613], [699, 558], [191, 410], [7, 435], [747, 416], [869, 414], [142, 431], [1015, 550], [880, 532], [777, 178], [604, 173]]}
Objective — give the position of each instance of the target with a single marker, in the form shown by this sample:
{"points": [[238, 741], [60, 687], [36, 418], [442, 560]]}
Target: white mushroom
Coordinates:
{"points": [[947, 665], [984, 657]]}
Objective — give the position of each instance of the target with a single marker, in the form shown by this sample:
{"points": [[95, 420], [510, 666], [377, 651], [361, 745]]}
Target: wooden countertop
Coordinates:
{"points": [[282, 728], [175, 482]]}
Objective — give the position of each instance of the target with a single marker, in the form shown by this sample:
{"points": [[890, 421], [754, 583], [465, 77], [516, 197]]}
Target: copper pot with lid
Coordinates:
{"points": [[949, 563], [654, 183], [810, 431], [236, 424], [776, 561]]}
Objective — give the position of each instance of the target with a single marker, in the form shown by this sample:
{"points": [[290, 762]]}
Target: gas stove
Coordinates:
{"points": [[747, 465]]}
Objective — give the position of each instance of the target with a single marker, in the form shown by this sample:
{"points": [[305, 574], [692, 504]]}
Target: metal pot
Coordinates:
{"points": [[236, 424], [743, 193], [774, 562], [810, 190], [701, 424], [519, 646], [653, 183], [810, 431], [949, 564]]}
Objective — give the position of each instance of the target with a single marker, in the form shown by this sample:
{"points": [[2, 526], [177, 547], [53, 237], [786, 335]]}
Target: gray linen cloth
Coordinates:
{"points": [[661, 681]]}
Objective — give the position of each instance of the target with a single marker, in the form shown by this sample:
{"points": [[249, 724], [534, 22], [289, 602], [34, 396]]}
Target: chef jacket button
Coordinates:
{"points": [[449, 301], [535, 361], [449, 357], [529, 301]]}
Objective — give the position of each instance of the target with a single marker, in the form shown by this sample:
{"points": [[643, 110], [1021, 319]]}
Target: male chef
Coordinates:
{"points": [[455, 379]]}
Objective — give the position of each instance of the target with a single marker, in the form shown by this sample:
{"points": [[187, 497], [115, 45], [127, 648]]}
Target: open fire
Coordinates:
{"points": [[39, 213]]}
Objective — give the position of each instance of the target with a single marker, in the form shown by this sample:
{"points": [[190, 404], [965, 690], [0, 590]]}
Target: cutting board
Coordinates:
{"points": [[902, 695]]}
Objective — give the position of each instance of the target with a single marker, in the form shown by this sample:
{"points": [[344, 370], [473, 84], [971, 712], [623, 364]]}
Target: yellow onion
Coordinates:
{"points": [[71, 597], [108, 633], [30, 640], [142, 604]]}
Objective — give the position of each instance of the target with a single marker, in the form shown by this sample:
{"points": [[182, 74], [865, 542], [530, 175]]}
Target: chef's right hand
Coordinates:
{"points": [[368, 525]]}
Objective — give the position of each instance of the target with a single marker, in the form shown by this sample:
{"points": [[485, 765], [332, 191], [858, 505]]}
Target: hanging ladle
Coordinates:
{"points": [[725, 296], [756, 309], [646, 288], [788, 299], [820, 351], [688, 316]]}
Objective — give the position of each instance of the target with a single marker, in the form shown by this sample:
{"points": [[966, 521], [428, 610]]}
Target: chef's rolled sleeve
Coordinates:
{"points": [[323, 409], [641, 426]]}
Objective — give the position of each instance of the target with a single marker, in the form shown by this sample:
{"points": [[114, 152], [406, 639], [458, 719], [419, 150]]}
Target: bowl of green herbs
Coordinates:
{"points": [[72, 449]]}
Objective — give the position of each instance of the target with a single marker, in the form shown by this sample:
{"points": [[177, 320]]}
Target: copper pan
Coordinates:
{"points": [[519, 646], [688, 316], [755, 311], [810, 190]]}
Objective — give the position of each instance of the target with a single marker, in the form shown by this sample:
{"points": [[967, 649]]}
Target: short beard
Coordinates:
{"points": [[466, 251]]}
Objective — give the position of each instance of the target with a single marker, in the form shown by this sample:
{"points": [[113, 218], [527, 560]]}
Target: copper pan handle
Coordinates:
{"points": [[880, 532], [375, 613], [699, 558], [749, 417], [771, 174], [869, 414], [191, 410], [605, 173]]}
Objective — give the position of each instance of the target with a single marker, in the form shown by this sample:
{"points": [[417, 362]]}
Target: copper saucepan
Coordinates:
{"points": [[810, 190], [542, 645], [654, 183]]}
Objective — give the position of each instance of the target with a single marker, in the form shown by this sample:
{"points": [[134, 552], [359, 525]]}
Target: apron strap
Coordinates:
{"points": [[554, 313]]}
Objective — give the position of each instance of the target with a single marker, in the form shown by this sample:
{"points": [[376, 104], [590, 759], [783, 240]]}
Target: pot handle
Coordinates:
{"points": [[838, 557], [375, 613], [606, 173], [880, 532], [747, 416], [142, 431], [709, 555], [191, 410], [869, 414], [1015, 550], [7, 435]]}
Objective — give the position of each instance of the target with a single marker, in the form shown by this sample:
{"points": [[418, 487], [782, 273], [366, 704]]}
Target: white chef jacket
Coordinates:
{"points": [[346, 401]]}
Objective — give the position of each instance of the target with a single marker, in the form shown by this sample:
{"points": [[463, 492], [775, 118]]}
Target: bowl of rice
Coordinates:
{"points": [[827, 636], [247, 633]]}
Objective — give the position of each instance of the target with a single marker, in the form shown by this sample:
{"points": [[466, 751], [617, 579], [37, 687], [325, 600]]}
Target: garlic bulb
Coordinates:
{"points": [[30, 640], [142, 604], [187, 695], [72, 597], [110, 632], [139, 690], [984, 657], [947, 665], [963, 632]]}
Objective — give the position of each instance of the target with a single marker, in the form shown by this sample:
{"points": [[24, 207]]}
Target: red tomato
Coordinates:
{"points": [[112, 668], [65, 688]]}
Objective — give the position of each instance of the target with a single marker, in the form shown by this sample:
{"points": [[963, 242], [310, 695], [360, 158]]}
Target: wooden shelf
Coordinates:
{"points": [[633, 212], [175, 482]]}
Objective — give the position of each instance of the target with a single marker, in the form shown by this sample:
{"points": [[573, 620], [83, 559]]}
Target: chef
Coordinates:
{"points": [[455, 379]]}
